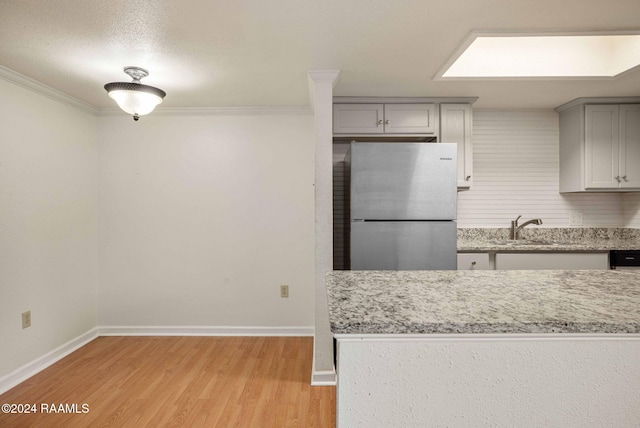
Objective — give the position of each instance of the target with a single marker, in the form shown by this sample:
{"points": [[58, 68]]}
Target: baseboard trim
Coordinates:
{"points": [[25, 372], [323, 378], [203, 331]]}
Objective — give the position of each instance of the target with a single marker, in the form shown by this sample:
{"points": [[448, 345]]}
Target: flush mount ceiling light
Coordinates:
{"points": [[539, 56], [134, 97]]}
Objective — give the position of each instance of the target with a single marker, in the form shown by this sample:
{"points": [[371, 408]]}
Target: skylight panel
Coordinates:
{"points": [[544, 56]]}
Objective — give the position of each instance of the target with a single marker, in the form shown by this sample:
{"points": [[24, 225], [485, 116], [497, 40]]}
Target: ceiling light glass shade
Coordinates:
{"points": [[133, 97]]}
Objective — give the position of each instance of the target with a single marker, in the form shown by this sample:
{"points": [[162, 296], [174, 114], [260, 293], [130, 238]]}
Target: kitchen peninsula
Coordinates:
{"points": [[486, 348]]}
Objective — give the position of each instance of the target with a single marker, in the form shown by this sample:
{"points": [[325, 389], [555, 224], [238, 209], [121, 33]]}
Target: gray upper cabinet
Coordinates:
{"points": [[599, 147], [355, 119], [630, 146], [393, 119], [602, 151], [455, 127], [410, 119], [429, 119]]}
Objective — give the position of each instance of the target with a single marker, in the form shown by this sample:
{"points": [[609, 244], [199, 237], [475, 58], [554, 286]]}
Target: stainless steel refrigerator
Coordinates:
{"points": [[402, 206]]}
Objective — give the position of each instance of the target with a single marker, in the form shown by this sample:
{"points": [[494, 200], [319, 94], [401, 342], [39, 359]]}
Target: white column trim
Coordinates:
{"points": [[321, 83]]}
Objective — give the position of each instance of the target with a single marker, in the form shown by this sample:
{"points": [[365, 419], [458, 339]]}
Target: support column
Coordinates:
{"points": [[321, 83]]}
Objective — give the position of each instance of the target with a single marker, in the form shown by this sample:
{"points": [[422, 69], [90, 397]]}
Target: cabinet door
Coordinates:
{"points": [[552, 261], [455, 127], [473, 261], [602, 146], [358, 119], [630, 145], [410, 119]]}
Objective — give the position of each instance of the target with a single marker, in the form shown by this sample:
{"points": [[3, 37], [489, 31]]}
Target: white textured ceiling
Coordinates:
{"points": [[211, 53]]}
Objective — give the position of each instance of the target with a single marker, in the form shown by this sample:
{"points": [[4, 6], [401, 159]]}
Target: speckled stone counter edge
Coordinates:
{"points": [[563, 239], [484, 302], [570, 234]]}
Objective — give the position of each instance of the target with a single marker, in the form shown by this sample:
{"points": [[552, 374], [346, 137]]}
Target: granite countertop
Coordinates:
{"points": [[484, 302], [549, 239], [529, 245]]}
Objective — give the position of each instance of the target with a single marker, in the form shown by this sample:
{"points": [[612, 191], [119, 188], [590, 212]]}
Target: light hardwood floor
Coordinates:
{"points": [[179, 381]]}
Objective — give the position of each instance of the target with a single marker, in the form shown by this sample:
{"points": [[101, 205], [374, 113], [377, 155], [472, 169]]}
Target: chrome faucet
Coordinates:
{"points": [[515, 229]]}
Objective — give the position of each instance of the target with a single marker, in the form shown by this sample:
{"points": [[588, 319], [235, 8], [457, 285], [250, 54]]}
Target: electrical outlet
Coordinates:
{"points": [[575, 219], [26, 319], [284, 291]]}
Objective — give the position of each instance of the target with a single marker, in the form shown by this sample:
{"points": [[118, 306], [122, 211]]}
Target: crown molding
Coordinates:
{"points": [[324, 76], [597, 100], [404, 100], [47, 91], [217, 111]]}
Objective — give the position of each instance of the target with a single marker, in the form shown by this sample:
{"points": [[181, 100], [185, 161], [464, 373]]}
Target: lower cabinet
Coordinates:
{"points": [[474, 261], [551, 261], [533, 261]]}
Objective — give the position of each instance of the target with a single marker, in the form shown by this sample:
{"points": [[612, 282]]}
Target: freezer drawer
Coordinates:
{"points": [[403, 245], [403, 181]]}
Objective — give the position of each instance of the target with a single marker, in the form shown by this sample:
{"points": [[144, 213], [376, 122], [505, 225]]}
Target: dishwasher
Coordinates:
{"points": [[624, 259]]}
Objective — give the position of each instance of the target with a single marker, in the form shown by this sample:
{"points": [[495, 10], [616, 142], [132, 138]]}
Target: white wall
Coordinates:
{"points": [[47, 223], [203, 217], [515, 171], [501, 380], [198, 219]]}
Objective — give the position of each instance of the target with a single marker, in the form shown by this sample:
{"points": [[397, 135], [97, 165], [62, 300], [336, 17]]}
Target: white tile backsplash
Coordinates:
{"points": [[515, 162]]}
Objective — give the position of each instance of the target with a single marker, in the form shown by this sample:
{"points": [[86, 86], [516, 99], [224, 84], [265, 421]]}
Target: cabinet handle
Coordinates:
{"points": [[386, 122], [473, 263], [618, 178], [624, 177], [467, 178], [380, 122]]}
